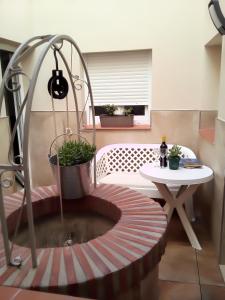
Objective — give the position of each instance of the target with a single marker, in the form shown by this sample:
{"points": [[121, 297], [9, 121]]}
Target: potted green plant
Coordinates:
{"points": [[110, 119], [110, 109], [174, 157], [71, 167], [128, 111]]}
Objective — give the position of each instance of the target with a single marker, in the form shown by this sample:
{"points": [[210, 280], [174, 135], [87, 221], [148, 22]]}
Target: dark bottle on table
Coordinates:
{"points": [[163, 153]]}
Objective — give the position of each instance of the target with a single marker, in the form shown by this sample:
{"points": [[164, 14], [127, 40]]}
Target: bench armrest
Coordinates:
{"points": [[101, 166]]}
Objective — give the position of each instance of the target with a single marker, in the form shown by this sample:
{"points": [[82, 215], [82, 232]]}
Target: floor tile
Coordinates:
{"points": [[8, 293], [209, 271], [28, 295], [179, 263], [178, 291], [11, 293], [212, 292]]}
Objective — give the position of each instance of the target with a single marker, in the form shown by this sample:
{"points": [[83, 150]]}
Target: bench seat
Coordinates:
{"points": [[136, 182]]}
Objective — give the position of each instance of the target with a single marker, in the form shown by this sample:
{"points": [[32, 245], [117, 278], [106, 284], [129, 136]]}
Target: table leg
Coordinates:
{"points": [[169, 198], [187, 192], [176, 202], [189, 209], [188, 228], [168, 210]]}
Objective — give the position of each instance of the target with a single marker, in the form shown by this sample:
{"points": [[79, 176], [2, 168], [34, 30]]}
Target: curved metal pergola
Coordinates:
{"points": [[14, 70]]}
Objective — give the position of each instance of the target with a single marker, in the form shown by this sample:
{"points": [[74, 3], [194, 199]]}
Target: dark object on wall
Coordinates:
{"points": [[217, 16], [57, 84]]}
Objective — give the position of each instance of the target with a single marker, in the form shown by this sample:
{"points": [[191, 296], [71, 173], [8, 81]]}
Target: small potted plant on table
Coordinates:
{"points": [[71, 167], [174, 157], [110, 119]]}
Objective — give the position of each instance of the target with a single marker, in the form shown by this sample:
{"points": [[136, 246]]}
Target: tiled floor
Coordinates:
{"points": [[10, 293], [186, 273]]}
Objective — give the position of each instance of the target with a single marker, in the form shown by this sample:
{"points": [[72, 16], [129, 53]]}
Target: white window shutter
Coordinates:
{"points": [[120, 78]]}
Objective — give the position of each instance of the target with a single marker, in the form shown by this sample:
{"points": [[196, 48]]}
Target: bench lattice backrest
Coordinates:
{"points": [[129, 158]]}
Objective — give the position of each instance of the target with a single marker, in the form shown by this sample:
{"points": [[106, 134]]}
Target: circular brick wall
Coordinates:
{"points": [[103, 267]]}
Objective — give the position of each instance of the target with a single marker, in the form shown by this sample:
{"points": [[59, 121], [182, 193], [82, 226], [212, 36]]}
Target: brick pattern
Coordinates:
{"points": [[133, 246]]}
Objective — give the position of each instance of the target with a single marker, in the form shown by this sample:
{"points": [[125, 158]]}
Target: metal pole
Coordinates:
{"points": [[3, 224], [73, 90], [30, 217]]}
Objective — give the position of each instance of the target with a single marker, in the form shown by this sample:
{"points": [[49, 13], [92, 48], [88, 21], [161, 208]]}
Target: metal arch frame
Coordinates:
{"points": [[218, 17], [12, 69]]}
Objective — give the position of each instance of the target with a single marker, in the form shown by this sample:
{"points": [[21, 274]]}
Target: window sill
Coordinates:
{"points": [[208, 134], [135, 127]]}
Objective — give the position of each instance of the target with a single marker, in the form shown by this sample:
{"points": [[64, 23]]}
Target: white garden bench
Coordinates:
{"points": [[120, 163]]}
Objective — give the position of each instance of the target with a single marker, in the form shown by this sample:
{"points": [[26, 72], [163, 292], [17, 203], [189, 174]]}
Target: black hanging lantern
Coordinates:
{"points": [[217, 16], [57, 85]]}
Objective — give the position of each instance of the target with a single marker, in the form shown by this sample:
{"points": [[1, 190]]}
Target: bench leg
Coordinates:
{"points": [[189, 208]]}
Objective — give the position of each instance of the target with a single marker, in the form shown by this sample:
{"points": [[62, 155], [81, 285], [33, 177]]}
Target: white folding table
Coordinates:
{"points": [[188, 180]]}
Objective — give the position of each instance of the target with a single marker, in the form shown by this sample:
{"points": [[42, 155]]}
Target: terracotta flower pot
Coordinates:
{"points": [[117, 121]]}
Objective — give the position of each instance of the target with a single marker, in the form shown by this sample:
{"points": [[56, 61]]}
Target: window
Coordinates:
{"points": [[12, 105], [121, 78]]}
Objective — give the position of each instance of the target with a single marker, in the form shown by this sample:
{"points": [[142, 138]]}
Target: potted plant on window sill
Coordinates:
{"points": [[174, 157], [71, 167], [110, 119]]}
